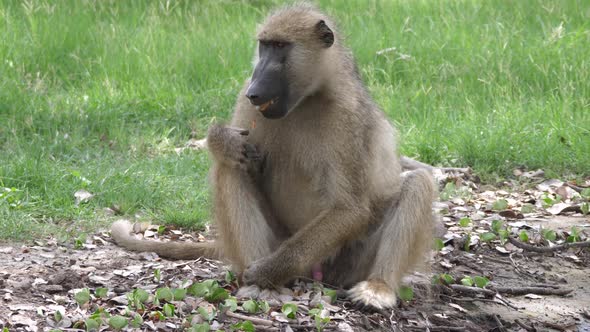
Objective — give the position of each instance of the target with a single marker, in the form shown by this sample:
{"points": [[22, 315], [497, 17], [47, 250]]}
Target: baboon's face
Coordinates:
{"points": [[285, 71], [269, 86]]}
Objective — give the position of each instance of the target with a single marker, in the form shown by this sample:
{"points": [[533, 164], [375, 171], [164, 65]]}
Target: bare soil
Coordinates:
{"points": [[38, 282], [35, 281]]}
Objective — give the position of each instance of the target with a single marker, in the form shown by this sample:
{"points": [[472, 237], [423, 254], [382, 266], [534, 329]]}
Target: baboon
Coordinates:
{"points": [[307, 173]]}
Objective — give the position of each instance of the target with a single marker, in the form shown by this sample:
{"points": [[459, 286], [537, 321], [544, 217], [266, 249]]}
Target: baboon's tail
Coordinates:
{"points": [[121, 233]]}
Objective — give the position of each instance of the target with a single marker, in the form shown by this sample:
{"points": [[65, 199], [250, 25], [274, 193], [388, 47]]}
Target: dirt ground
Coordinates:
{"points": [[40, 280]]}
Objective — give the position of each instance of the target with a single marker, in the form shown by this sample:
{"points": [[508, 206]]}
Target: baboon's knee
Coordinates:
{"points": [[418, 182], [405, 235]]}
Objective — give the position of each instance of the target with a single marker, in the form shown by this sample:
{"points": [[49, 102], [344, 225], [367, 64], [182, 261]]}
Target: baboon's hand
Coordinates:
{"points": [[229, 145], [268, 272]]}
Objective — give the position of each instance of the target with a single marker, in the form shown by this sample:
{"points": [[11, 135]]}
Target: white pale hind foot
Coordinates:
{"points": [[373, 293]]}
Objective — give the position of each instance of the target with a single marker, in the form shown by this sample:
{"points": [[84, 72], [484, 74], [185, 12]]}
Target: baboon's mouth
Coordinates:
{"points": [[266, 105]]}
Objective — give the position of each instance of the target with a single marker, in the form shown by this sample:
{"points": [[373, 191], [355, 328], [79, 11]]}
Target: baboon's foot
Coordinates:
{"points": [[270, 295], [373, 293]]}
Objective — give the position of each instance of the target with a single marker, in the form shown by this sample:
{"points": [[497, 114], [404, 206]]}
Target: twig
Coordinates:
{"points": [[521, 245], [574, 187], [486, 292], [307, 327], [472, 290], [254, 320], [545, 286], [505, 302], [392, 322], [557, 326], [495, 300], [531, 290], [500, 325], [461, 260], [524, 326], [518, 269], [491, 291], [496, 260], [265, 328], [436, 328]]}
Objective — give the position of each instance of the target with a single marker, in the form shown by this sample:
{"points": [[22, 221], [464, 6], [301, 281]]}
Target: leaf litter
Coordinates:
{"points": [[483, 275]]}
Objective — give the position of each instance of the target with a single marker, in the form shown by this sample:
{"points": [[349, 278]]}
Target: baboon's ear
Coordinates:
{"points": [[325, 33]]}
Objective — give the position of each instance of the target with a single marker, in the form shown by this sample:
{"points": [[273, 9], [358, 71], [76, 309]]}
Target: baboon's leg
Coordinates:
{"points": [[244, 221], [402, 241]]}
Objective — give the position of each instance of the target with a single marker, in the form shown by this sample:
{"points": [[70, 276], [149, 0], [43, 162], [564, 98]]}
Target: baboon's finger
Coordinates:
{"points": [[241, 131], [251, 152]]}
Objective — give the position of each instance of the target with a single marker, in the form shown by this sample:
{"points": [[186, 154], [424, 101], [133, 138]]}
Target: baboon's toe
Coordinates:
{"points": [[250, 291], [373, 293], [279, 296]]}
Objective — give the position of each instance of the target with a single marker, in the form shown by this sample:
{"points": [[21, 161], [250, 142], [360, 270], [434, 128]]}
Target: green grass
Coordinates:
{"points": [[96, 95]]}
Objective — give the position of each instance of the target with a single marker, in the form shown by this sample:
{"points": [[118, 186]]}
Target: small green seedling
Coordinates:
{"points": [[548, 234], [500, 205], [438, 244], [467, 281], [101, 292], [406, 293], [117, 322], [204, 327], [289, 310], [574, 235], [245, 326], [465, 222], [487, 237], [169, 309], [318, 316], [481, 282], [82, 297], [157, 275], [206, 314]]}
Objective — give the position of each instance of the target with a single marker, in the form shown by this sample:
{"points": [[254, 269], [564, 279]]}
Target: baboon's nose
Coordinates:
{"points": [[256, 99], [253, 97], [259, 94]]}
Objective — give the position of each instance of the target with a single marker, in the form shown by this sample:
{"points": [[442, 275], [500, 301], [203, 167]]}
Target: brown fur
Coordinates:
{"points": [[325, 182]]}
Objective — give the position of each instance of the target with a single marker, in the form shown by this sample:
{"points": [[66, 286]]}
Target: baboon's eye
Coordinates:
{"points": [[279, 44]]}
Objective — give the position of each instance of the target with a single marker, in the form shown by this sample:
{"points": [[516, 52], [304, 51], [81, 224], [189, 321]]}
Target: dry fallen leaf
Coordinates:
{"points": [[549, 184], [458, 307], [343, 326], [39, 281], [82, 196], [22, 320], [6, 250], [445, 263], [574, 258], [566, 192], [502, 250], [557, 208], [533, 174]]}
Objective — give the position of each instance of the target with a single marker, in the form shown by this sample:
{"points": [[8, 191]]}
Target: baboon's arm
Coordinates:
{"points": [[245, 223]]}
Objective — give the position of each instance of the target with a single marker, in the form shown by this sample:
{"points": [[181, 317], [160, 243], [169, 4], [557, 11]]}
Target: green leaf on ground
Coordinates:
{"points": [[406, 293], [289, 309]]}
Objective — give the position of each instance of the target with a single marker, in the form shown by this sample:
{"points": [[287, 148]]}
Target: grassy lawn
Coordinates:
{"points": [[95, 95]]}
